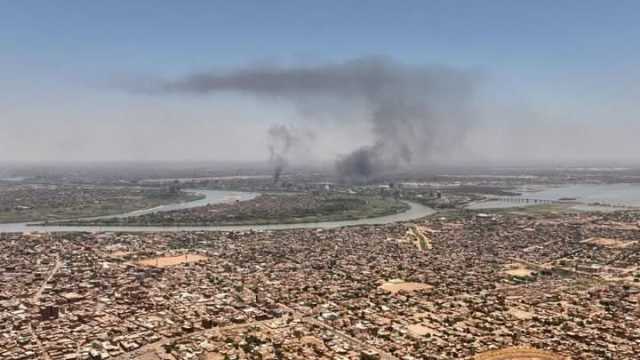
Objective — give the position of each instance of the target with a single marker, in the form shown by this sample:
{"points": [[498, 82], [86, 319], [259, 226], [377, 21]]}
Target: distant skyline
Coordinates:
{"points": [[558, 80]]}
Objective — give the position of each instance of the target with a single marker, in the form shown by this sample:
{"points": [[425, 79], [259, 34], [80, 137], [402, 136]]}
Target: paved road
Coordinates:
{"points": [[36, 300], [56, 268]]}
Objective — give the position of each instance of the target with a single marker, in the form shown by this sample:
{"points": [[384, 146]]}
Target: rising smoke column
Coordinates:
{"points": [[415, 112], [281, 139]]}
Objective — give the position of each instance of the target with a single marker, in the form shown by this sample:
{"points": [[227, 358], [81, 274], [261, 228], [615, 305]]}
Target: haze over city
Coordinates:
{"points": [[543, 81]]}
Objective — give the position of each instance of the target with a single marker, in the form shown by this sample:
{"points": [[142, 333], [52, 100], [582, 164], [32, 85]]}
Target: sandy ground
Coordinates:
{"points": [[396, 285], [420, 235], [165, 261], [610, 243], [520, 314], [215, 356], [519, 353], [615, 225], [119, 253], [421, 330], [148, 356], [517, 270]]}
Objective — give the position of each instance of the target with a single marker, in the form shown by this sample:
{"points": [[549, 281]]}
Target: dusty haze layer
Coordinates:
{"points": [[363, 116], [414, 112]]}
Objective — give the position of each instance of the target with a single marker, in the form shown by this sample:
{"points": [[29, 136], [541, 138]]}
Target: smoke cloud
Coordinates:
{"points": [[416, 113], [280, 142], [360, 164]]}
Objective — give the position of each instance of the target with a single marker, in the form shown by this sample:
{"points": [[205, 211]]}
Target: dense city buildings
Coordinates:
{"points": [[451, 286]]}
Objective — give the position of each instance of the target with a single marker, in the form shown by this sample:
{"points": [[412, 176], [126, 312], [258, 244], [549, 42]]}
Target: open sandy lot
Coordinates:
{"points": [[519, 353], [520, 314], [396, 285], [165, 261], [518, 270], [421, 330], [119, 253], [610, 243], [148, 356]]}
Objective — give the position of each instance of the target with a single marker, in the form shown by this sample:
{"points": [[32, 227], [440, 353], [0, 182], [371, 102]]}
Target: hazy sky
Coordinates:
{"points": [[557, 79]]}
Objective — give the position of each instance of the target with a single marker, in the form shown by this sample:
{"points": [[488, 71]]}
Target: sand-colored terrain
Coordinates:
{"points": [[518, 270], [119, 253], [421, 330], [520, 314], [214, 356], [519, 353], [166, 261], [394, 286], [615, 225], [420, 236], [148, 356], [610, 243]]}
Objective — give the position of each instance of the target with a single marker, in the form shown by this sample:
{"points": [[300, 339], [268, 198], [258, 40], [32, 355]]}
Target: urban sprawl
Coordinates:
{"points": [[457, 285]]}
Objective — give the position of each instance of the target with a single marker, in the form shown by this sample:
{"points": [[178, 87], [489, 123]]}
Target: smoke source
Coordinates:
{"points": [[416, 113], [280, 142], [360, 164]]}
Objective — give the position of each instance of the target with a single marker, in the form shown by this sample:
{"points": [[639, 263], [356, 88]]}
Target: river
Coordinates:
{"points": [[415, 211], [614, 196]]}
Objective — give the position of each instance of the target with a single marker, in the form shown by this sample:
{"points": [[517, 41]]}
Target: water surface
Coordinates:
{"points": [[415, 211], [585, 195]]}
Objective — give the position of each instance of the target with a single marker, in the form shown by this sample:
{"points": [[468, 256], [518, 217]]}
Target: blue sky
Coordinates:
{"points": [[177, 36], [562, 57]]}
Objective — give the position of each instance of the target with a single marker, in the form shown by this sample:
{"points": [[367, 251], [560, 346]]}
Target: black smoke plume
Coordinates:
{"points": [[281, 139], [417, 113], [360, 164]]}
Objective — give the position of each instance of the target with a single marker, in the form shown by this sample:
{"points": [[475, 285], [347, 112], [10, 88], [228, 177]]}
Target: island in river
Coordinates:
{"points": [[280, 208]]}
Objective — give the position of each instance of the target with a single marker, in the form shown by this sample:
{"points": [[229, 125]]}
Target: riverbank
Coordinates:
{"points": [[414, 211], [35, 202], [265, 209]]}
